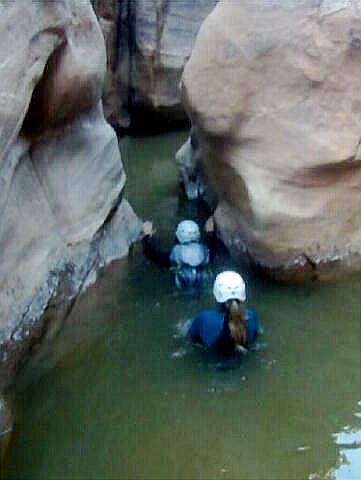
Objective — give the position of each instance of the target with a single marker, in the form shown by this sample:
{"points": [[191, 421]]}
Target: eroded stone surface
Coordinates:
{"points": [[61, 175], [273, 92]]}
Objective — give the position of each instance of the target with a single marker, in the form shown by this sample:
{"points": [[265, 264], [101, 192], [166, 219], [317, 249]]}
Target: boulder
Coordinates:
{"points": [[61, 176], [273, 90]]}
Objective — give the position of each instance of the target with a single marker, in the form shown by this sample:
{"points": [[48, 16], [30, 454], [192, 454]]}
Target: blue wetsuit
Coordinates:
{"points": [[210, 328]]}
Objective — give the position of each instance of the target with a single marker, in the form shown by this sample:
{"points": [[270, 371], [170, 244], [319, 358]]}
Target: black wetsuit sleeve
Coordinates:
{"points": [[154, 254], [210, 239]]}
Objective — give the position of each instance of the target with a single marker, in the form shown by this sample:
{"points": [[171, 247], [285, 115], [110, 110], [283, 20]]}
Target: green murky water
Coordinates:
{"points": [[119, 395]]}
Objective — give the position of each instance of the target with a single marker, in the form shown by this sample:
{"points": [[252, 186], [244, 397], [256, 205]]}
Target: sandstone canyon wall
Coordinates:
{"points": [[62, 214], [273, 90], [148, 43]]}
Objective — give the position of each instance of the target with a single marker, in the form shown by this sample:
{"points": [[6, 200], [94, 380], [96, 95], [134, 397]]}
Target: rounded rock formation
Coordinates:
{"points": [[273, 90]]}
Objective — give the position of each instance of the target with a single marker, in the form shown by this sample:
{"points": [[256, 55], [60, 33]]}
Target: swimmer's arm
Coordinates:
{"points": [[210, 238], [154, 254]]}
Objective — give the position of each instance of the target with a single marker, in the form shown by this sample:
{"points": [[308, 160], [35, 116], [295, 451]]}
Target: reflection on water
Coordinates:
{"points": [[121, 394], [349, 443]]}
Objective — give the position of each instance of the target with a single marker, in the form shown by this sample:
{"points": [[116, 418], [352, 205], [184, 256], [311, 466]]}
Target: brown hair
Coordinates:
{"points": [[237, 322]]}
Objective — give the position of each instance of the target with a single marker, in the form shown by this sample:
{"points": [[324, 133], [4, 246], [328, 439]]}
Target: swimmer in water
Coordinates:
{"points": [[189, 258], [232, 327]]}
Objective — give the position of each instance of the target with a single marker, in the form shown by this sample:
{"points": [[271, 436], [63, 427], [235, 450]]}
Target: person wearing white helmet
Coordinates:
{"points": [[232, 327], [189, 258]]}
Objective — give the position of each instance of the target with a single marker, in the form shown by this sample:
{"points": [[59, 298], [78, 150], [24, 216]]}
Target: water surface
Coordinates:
{"points": [[119, 395]]}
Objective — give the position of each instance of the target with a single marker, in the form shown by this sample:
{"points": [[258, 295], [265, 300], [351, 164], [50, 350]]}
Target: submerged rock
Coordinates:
{"points": [[148, 43], [273, 90], [61, 175]]}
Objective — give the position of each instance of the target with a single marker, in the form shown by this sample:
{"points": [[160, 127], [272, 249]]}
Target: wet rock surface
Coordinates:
{"points": [[62, 215], [113, 17], [6, 425], [148, 43], [273, 92]]}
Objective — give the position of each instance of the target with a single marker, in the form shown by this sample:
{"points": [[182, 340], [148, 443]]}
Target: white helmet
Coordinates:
{"points": [[228, 286], [188, 231]]}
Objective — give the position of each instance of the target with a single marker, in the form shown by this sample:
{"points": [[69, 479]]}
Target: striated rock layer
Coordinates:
{"points": [[62, 215], [273, 90], [148, 43]]}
